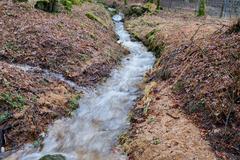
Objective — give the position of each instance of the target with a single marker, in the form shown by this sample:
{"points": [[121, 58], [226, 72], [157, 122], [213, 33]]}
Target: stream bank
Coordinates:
{"points": [[93, 130], [190, 108], [67, 49]]}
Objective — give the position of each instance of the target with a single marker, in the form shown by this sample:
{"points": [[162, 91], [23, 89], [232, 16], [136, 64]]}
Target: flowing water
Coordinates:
{"points": [[92, 132]]}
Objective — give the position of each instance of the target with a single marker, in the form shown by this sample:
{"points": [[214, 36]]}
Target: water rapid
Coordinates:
{"points": [[92, 132]]}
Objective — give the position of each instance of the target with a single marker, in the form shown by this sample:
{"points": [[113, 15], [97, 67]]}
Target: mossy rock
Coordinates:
{"points": [[136, 10], [47, 5], [53, 157], [42, 5], [112, 11], [139, 9], [150, 7], [154, 44]]}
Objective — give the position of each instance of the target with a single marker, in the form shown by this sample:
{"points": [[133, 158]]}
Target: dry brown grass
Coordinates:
{"points": [[203, 61]]}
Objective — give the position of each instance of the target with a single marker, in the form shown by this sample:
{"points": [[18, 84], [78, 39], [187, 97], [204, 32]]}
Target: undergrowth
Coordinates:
{"points": [[73, 103], [153, 44], [16, 101]]}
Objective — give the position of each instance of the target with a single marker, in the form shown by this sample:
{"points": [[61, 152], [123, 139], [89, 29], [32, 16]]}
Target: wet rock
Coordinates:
{"points": [[139, 9], [136, 10], [53, 157]]}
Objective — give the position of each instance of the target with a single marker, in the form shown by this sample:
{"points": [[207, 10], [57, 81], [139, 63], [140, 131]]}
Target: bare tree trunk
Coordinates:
{"points": [[223, 10], [202, 8], [53, 5], [158, 5], [170, 4]]}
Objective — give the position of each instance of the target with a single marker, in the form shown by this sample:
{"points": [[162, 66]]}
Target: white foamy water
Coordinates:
{"points": [[92, 132]]}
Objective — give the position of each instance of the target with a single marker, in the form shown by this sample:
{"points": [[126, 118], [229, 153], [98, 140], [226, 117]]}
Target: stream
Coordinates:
{"points": [[92, 132]]}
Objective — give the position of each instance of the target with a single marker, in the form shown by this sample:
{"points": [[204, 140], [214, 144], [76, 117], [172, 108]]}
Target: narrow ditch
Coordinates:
{"points": [[93, 131]]}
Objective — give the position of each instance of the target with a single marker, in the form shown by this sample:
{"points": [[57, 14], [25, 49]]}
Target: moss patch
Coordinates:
{"points": [[154, 44], [73, 102], [53, 157], [16, 101], [92, 16]]}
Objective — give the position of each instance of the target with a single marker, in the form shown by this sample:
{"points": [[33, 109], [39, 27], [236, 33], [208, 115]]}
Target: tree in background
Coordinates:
{"points": [[150, 1], [125, 2], [202, 8], [53, 5], [158, 5]]}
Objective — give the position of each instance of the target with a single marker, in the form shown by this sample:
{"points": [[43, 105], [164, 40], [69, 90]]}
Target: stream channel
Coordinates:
{"points": [[92, 132]]}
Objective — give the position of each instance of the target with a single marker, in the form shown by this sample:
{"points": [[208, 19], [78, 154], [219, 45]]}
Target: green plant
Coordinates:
{"points": [[145, 109], [158, 5], [37, 144], [83, 57], [158, 49], [67, 4], [123, 138], [4, 116], [11, 46], [73, 103], [77, 2], [154, 44], [178, 87], [16, 101], [151, 120], [195, 106], [156, 141], [150, 7], [164, 74]]}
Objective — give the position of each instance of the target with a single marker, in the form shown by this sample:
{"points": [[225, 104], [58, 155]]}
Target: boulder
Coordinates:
{"points": [[53, 157], [139, 9]]}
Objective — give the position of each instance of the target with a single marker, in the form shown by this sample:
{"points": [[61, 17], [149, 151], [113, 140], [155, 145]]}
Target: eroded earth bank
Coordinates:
{"points": [[67, 50], [190, 107]]}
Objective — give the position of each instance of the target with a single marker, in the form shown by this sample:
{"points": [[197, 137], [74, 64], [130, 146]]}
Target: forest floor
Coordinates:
{"points": [[80, 49], [190, 108], [191, 103]]}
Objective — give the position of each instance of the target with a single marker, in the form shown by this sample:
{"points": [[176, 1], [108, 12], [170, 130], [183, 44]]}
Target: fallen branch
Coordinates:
{"points": [[174, 117]]}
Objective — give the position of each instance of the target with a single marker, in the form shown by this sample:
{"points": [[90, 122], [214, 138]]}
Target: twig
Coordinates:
{"points": [[231, 107], [195, 33], [172, 116]]}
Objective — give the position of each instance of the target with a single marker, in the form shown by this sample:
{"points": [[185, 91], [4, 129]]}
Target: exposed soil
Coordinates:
{"points": [[163, 132], [81, 49], [197, 73]]}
